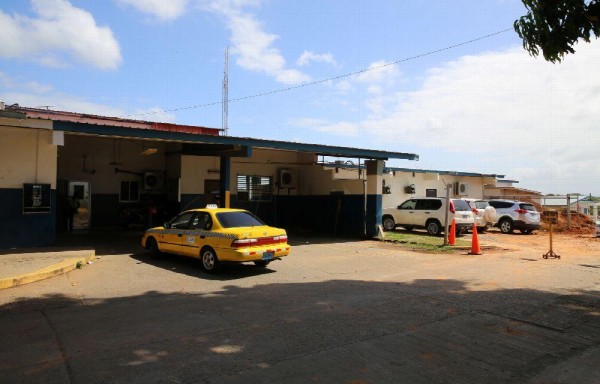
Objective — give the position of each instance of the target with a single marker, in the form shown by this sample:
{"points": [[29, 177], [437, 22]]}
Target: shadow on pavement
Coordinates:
{"points": [[338, 331], [192, 267], [117, 241]]}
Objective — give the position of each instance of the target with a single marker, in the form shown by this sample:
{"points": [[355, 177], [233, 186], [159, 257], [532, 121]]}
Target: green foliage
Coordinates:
{"points": [[422, 242], [554, 26]]}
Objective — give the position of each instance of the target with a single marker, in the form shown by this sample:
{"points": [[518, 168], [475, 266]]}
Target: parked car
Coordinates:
{"points": [[516, 215], [485, 214], [428, 213], [597, 228], [216, 235]]}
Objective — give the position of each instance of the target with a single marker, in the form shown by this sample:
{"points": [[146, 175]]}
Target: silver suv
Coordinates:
{"points": [[513, 215], [428, 213]]}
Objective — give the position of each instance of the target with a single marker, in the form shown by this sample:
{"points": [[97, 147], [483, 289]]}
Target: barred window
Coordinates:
{"points": [[254, 188], [130, 191]]}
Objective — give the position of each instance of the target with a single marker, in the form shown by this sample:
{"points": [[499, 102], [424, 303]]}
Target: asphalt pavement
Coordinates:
{"points": [[334, 311]]}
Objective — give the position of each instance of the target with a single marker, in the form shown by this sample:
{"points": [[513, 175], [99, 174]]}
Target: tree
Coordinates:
{"points": [[554, 26]]}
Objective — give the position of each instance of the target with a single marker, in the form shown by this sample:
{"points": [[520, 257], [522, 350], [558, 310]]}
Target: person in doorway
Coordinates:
{"points": [[152, 211], [71, 209]]}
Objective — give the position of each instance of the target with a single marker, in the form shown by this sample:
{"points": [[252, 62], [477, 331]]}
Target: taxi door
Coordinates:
{"points": [[173, 237], [198, 235]]}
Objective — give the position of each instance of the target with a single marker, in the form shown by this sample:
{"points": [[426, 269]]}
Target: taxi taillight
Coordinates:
{"points": [[238, 243]]}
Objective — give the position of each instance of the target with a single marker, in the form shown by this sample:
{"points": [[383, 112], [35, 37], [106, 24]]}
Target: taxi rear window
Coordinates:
{"points": [[238, 219]]}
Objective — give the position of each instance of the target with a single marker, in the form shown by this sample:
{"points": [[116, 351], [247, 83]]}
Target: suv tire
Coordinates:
{"points": [[434, 227], [506, 226], [388, 223]]}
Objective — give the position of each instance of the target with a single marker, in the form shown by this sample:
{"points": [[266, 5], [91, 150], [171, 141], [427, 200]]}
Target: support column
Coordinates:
{"points": [[225, 182], [374, 198]]}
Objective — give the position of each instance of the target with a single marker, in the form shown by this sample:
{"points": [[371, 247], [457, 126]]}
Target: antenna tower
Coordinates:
{"points": [[225, 115]]}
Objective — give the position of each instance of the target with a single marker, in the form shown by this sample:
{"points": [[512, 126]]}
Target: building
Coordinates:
{"points": [[505, 189], [124, 173]]}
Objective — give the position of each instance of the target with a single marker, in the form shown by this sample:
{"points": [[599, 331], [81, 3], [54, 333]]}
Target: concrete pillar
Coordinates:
{"points": [[374, 188], [225, 182]]}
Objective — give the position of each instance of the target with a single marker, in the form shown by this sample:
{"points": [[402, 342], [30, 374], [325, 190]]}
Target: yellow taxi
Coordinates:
{"points": [[217, 235]]}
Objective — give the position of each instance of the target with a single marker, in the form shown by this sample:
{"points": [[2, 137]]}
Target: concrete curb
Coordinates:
{"points": [[55, 269]]}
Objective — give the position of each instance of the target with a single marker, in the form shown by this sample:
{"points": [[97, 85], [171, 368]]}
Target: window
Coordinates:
{"points": [[429, 204], [500, 204], [481, 204], [527, 207], [238, 219], [202, 221], [461, 205], [409, 204], [182, 221], [431, 193], [130, 191], [254, 188]]}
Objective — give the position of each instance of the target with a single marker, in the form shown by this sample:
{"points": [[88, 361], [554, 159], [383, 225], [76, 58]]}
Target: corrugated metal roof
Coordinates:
{"points": [[37, 113], [453, 173], [184, 137], [127, 128]]}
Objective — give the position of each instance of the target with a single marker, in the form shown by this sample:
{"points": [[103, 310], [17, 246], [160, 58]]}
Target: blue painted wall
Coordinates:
{"points": [[339, 215], [374, 213], [18, 230]]}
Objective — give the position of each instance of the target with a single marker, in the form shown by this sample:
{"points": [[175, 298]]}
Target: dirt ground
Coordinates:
{"points": [[563, 243]]}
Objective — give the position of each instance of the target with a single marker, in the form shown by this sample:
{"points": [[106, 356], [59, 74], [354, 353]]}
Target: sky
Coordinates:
{"points": [[447, 80]]}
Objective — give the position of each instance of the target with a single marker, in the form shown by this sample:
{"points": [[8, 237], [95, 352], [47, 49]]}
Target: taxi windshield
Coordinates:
{"points": [[238, 219]]}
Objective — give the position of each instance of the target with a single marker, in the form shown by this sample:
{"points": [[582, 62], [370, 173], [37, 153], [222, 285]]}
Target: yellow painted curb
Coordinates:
{"points": [[56, 269]]}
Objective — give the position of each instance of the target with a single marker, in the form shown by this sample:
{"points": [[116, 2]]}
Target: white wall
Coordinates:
{"points": [[423, 181], [103, 155], [26, 155], [311, 179]]}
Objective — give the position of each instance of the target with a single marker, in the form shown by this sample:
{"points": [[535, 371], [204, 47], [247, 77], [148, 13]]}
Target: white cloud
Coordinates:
{"points": [[252, 45], [33, 94], [501, 112], [307, 57], [59, 28], [325, 126], [163, 10], [378, 77], [379, 72]]}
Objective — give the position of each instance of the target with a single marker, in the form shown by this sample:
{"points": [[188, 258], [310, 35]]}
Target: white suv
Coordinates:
{"points": [[485, 214], [428, 213], [516, 215]]}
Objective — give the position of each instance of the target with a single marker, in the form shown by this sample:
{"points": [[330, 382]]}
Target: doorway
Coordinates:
{"points": [[79, 191], [211, 192]]}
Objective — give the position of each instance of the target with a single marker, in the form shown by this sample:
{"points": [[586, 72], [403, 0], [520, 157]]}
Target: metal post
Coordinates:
{"points": [[448, 186], [569, 211]]}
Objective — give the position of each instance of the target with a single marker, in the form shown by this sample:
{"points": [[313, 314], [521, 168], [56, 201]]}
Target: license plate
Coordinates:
{"points": [[267, 256], [465, 216]]}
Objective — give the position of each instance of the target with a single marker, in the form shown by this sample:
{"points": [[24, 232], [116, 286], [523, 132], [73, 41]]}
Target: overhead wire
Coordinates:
{"points": [[433, 52]]}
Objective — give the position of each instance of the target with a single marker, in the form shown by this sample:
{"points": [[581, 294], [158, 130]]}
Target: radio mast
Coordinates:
{"points": [[224, 118]]}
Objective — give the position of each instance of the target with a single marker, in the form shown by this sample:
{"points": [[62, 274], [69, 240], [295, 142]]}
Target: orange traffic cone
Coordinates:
{"points": [[452, 234], [475, 249]]}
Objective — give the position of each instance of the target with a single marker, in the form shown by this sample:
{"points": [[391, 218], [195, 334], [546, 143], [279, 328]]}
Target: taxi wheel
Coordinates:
{"points": [[152, 246], [209, 259], [261, 263]]}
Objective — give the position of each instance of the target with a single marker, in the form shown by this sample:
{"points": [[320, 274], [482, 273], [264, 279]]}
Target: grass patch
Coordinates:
{"points": [[423, 242]]}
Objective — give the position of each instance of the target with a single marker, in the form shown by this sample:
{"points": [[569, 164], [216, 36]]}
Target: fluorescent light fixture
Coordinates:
{"points": [[149, 151]]}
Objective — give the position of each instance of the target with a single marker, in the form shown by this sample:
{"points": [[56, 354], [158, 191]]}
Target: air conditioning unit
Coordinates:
{"points": [[287, 178], [461, 189], [154, 181]]}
